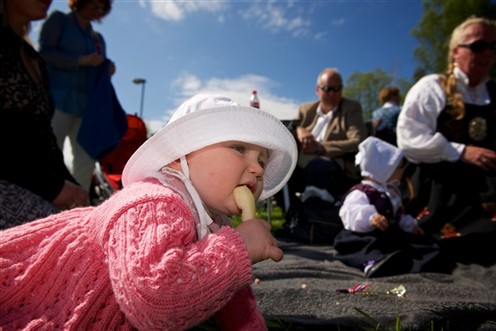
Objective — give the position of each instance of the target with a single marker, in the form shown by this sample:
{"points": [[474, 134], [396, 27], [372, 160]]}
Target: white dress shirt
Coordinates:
{"points": [[417, 122], [323, 121]]}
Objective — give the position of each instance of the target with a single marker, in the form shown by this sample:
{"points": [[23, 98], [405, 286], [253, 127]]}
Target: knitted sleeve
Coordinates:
{"points": [[164, 279]]}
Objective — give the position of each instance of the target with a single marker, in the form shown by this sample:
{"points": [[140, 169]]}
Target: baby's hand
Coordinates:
{"points": [[260, 243], [379, 221]]}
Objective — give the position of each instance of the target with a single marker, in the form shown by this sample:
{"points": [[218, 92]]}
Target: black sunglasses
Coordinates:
{"points": [[480, 46], [327, 88]]}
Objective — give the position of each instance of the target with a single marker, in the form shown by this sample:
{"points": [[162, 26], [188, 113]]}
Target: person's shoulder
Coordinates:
{"points": [[394, 109], [378, 110], [431, 79], [309, 104], [349, 101], [428, 86], [149, 189], [350, 104], [356, 190], [306, 106], [57, 14], [55, 17], [151, 185]]}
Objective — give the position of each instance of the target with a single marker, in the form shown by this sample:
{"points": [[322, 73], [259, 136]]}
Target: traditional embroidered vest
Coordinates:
{"points": [[380, 200], [477, 127]]}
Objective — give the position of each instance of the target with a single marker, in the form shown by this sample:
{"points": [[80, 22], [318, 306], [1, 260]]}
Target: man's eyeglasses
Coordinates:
{"points": [[480, 46], [327, 88]]}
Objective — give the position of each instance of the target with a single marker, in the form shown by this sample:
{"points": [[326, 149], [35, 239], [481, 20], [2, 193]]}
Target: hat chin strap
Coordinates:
{"points": [[202, 225], [205, 220]]}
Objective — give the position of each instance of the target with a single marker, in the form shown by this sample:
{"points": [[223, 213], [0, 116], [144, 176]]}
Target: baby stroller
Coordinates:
{"points": [[108, 170]]}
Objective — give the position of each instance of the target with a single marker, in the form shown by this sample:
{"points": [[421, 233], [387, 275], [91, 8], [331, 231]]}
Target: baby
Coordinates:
{"points": [[159, 254], [378, 236]]}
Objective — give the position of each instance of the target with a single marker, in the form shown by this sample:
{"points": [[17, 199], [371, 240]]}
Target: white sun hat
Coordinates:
{"points": [[378, 159], [206, 119]]}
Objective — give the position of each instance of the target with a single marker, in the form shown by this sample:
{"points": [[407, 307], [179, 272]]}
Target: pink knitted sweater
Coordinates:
{"points": [[132, 262]]}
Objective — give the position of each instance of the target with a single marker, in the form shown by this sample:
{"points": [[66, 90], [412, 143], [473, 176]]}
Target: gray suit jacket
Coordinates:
{"points": [[343, 134]]}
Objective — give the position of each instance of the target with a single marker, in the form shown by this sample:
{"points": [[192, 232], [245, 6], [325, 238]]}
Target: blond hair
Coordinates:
{"points": [[454, 101]]}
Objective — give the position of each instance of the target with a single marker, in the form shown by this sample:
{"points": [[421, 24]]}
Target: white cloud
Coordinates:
{"points": [[154, 125], [174, 10], [239, 89], [276, 17], [338, 22]]}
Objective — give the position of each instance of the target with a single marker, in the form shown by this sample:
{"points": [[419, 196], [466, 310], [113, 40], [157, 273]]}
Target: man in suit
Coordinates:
{"points": [[328, 136]]}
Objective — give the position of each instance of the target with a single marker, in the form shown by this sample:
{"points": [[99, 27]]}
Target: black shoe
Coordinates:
{"points": [[392, 264]]}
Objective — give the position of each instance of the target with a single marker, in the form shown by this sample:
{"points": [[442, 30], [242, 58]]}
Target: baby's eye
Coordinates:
{"points": [[239, 148], [262, 163]]}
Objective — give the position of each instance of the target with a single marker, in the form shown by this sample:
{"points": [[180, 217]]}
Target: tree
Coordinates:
{"points": [[434, 30], [365, 88]]}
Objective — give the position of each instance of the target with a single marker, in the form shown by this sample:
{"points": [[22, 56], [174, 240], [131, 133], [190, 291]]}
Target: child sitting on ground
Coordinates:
{"points": [[159, 254], [379, 237]]}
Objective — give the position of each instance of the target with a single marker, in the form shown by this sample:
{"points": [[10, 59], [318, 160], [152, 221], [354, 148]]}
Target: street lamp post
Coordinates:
{"points": [[142, 82]]}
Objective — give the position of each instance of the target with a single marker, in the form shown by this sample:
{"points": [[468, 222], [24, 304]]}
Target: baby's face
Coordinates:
{"points": [[398, 172], [217, 169]]}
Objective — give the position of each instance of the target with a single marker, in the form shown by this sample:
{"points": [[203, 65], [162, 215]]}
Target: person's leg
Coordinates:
{"points": [[61, 125], [325, 173], [83, 165], [457, 202], [427, 254], [19, 205]]}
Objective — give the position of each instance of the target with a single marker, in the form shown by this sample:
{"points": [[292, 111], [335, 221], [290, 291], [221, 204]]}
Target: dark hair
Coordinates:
{"points": [[5, 22], [76, 5]]}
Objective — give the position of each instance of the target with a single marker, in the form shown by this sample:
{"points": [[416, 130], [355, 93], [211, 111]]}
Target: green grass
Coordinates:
{"points": [[276, 216]]}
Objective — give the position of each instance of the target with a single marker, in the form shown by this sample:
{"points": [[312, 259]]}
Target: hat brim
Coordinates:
{"points": [[200, 129]]}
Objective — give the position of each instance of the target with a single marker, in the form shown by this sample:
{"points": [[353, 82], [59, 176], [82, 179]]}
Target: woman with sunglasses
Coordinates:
{"points": [[448, 127]]}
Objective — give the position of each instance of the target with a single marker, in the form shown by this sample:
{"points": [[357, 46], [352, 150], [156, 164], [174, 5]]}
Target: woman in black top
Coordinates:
{"points": [[34, 181]]}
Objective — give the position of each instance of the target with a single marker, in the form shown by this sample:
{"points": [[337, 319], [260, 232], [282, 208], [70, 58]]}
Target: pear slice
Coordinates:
{"points": [[245, 201]]}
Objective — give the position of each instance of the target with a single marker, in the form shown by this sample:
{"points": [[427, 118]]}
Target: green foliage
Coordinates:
{"points": [[434, 30], [433, 33], [365, 88]]}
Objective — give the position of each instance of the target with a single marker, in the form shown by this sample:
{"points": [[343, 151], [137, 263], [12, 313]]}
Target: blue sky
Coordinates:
{"points": [[233, 47]]}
